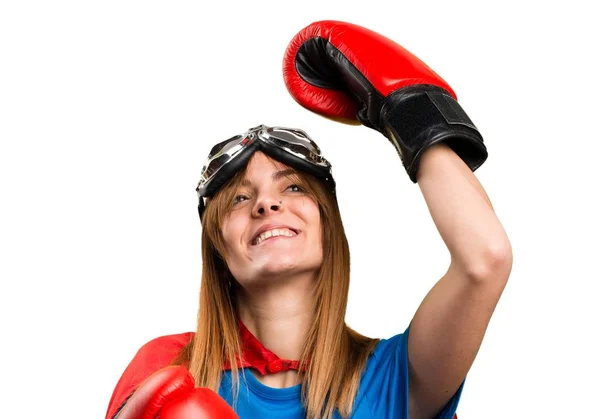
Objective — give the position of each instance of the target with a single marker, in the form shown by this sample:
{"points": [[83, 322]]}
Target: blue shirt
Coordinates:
{"points": [[383, 390]]}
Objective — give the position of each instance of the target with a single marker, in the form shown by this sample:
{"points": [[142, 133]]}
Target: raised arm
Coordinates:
{"points": [[351, 74], [448, 327]]}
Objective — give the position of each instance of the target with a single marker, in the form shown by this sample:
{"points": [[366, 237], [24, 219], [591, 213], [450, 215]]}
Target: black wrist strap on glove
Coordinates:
{"points": [[417, 117]]}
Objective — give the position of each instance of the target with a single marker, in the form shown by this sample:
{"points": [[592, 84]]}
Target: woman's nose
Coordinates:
{"points": [[266, 205]]}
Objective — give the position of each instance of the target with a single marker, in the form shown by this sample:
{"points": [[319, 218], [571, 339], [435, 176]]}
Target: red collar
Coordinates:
{"points": [[255, 355]]}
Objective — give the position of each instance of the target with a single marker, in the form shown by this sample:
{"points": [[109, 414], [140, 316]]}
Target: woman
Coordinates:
{"points": [[271, 337]]}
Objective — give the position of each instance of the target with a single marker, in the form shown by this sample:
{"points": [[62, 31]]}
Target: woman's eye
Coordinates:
{"points": [[239, 198], [295, 188]]}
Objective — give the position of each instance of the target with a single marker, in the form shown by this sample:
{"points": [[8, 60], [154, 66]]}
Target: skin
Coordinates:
{"points": [[449, 325], [275, 276]]}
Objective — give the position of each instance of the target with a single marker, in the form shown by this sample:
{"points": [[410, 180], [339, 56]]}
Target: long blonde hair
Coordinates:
{"points": [[337, 353]]}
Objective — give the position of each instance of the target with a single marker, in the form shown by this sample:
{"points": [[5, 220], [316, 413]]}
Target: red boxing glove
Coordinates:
{"points": [[171, 393], [352, 74], [201, 403]]}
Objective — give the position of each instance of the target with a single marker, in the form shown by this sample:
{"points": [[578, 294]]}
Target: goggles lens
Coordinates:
{"points": [[220, 155], [295, 142]]}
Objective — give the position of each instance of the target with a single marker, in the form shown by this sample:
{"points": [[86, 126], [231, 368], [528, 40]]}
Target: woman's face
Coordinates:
{"points": [[273, 231]]}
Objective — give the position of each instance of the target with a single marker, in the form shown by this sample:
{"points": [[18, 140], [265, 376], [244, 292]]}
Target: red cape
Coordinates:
{"points": [[161, 351]]}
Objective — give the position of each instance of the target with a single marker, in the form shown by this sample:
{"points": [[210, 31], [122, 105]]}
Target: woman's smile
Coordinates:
{"points": [[274, 234]]}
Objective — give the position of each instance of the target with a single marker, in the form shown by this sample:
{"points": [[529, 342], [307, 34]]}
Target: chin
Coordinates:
{"points": [[278, 264], [291, 265], [281, 266]]}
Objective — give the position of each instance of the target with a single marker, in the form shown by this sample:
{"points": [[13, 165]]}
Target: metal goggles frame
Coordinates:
{"points": [[290, 146]]}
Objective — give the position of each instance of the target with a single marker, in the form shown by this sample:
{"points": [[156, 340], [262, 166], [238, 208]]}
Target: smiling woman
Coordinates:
{"points": [[279, 284], [265, 241], [276, 274], [271, 338]]}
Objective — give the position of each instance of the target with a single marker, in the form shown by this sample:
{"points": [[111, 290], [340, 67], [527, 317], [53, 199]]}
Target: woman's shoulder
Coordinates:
{"points": [[388, 359], [153, 355], [383, 387], [159, 351], [391, 345]]}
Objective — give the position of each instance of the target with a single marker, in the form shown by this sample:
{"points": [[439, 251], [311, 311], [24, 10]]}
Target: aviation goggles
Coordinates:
{"points": [[290, 146]]}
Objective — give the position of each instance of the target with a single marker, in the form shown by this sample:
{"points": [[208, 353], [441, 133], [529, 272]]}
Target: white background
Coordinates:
{"points": [[108, 109]]}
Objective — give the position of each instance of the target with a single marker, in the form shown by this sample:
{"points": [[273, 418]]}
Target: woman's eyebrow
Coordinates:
{"points": [[276, 176]]}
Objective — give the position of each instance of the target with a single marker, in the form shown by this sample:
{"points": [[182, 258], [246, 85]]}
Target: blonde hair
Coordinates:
{"points": [[337, 353]]}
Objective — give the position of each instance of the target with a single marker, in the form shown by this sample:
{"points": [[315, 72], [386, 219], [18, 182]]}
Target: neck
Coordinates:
{"points": [[279, 315]]}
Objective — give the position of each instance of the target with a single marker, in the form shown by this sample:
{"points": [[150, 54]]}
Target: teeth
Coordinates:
{"points": [[273, 233]]}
